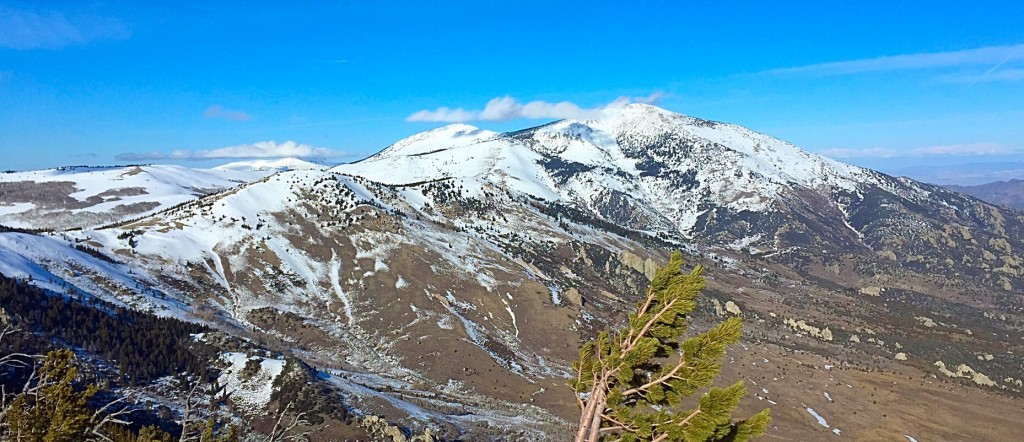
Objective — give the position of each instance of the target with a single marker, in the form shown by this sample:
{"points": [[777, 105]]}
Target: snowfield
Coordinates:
{"points": [[99, 193], [582, 162]]}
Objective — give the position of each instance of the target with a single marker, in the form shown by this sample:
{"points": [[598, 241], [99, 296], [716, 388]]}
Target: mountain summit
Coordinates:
{"points": [[638, 148], [638, 166], [690, 180], [448, 279]]}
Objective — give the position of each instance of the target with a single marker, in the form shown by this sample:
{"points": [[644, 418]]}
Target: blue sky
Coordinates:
{"points": [[918, 88]]}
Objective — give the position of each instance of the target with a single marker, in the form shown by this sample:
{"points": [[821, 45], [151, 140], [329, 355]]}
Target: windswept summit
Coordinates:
{"points": [[692, 180], [448, 280]]}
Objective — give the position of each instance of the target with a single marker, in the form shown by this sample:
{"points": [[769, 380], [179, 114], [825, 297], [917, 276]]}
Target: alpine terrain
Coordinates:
{"points": [[446, 283]]}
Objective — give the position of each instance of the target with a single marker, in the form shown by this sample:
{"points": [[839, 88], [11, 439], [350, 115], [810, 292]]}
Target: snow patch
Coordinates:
{"points": [[346, 300], [556, 296], [250, 389], [821, 420]]}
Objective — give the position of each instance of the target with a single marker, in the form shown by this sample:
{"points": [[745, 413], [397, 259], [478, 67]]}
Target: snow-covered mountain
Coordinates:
{"points": [[667, 171], [691, 180], [274, 165], [640, 150], [75, 197], [449, 278]]}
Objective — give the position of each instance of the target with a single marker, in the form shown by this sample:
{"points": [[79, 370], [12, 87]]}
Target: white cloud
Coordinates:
{"points": [[508, 108], [218, 111], [25, 30], [991, 55], [262, 149], [970, 149]]}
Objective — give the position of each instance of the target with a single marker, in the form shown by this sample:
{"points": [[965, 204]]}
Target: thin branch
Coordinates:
{"points": [[280, 417], [186, 413], [619, 424], [691, 416], [639, 314], [283, 434], [667, 376], [649, 324]]}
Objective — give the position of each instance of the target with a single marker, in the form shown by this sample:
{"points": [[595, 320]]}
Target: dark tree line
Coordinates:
{"points": [[8, 229], [95, 253], [143, 346]]}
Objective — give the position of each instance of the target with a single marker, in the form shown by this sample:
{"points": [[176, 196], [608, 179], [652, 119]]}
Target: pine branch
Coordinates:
{"points": [[619, 425], [670, 375], [647, 327], [691, 416], [641, 312]]}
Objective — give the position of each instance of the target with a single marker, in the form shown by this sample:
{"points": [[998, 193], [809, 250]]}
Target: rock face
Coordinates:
{"points": [[802, 325], [382, 431], [872, 291], [965, 371], [449, 280], [645, 266]]}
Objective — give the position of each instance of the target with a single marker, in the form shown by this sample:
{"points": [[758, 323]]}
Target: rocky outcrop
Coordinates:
{"points": [[380, 430], [966, 372], [802, 325], [646, 266]]}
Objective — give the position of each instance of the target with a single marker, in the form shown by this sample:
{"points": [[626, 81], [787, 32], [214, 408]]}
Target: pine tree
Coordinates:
{"points": [[53, 410], [51, 407], [631, 384], [150, 434]]}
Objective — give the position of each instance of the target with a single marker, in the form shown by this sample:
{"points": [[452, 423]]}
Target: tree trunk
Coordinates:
{"points": [[590, 419]]}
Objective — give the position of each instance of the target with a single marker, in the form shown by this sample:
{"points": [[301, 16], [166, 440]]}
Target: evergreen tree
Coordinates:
{"points": [[53, 410], [631, 384]]}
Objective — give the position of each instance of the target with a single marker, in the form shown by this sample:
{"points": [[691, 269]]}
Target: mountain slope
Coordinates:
{"points": [[75, 197], [448, 280], [692, 180]]}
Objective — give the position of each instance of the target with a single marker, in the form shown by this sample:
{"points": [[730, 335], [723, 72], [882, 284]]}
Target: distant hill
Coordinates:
{"points": [[271, 164], [89, 196], [1004, 193]]}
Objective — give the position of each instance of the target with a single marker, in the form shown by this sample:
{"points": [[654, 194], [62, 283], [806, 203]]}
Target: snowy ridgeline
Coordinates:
{"points": [[101, 195], [640, 150]]}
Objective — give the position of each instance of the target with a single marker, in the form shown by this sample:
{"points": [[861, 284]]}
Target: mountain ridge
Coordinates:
{"points": [[1009, 193], [460, 266], [77, 197]]}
